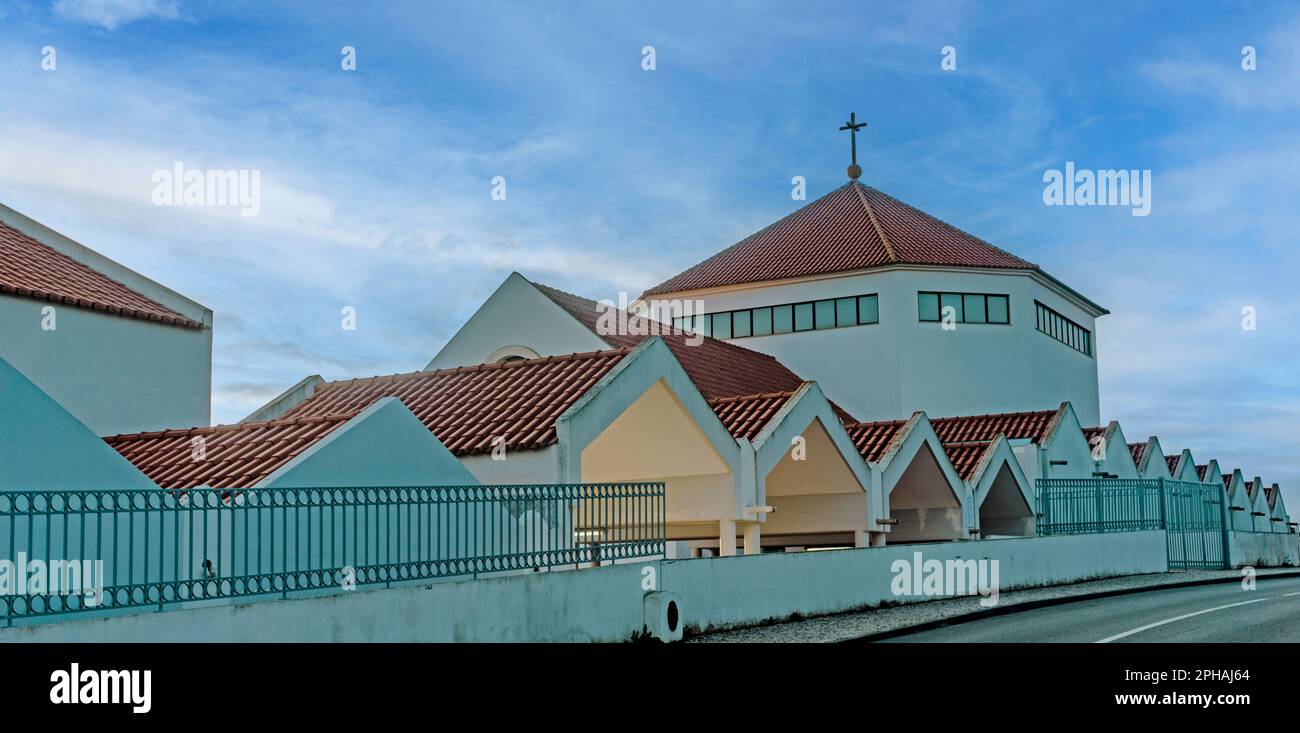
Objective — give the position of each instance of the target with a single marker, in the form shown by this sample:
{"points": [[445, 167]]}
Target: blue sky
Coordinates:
{"points": [[376, 183]]}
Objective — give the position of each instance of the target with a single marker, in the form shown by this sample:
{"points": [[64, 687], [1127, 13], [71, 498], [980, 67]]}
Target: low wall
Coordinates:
{"points": [[608, 603], [1263, 549]]}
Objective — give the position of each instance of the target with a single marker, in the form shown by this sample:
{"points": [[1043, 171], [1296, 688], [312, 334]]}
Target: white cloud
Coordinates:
{"points": [[110, 14]]}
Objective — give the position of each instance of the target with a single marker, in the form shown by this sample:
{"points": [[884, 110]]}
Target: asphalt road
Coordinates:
{"points": [[1223, 612]]}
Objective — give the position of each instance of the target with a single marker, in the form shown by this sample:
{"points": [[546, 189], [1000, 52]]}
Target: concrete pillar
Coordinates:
{"points": [[726, 537], [877, 539], [752, 544], [861, 538]]}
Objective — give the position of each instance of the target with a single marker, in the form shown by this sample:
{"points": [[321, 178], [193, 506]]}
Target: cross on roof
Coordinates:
{"points": [[853, 126]]}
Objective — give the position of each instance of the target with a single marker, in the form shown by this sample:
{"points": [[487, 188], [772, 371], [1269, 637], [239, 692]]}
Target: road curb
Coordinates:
{"points": [[1045, 603]]}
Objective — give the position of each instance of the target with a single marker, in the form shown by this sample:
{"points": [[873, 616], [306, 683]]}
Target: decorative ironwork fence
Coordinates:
{"points": [[1193, 515], [80, 552]]}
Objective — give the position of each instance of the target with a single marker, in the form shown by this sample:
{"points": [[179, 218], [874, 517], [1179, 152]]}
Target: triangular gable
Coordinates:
{"points": [[999, 453], [915, 435], [1185, 467], [1153, 464], [43, 447], [384, 445], [1065, 450], [516, 314], [1118, 460]]}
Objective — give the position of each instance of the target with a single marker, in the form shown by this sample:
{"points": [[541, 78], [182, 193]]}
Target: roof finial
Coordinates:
{"points": [[855, 171]]}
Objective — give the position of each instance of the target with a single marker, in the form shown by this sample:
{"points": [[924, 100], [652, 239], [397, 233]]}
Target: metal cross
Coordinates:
{"points": [[853, 126]]}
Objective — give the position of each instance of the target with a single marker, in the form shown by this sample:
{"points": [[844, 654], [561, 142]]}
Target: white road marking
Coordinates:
{"points": [[1297, 593], [1140, 629]]}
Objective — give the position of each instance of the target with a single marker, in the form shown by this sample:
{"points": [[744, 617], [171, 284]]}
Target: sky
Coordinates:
{"points": [[376, 182]]}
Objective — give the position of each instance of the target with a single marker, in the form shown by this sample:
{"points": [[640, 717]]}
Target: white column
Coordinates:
{"points": [[752, 544], [861, 538], [877, 539], [727, 537]]}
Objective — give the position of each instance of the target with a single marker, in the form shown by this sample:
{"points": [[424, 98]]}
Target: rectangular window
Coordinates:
{"points": [[782, 318], [966, 307], [868, 309], [722, 325], [846, 312], [803, 317], [927, 306], [740, 324], [825, 313], [947, 301], [1063, 329], [998, 311], [762, 321]]}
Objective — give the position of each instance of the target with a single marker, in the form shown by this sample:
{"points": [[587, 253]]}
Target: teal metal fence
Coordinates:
{"points": [[80, 552], [1193, 515]]}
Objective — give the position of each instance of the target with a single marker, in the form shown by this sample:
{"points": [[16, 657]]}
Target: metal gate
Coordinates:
{"points": [[1193, 515]]}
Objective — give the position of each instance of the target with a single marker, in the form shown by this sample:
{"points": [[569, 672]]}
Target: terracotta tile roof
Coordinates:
{"points": [[231, 456], [467, 408], [873, 439], [1270, 494], [1201, 469], [745, 417], [854, 227], [965, 457], [1172, 463], [718, 369], [1227, 480], [1014, 425], [1090, 433], [1139, 450], [31, 269]]}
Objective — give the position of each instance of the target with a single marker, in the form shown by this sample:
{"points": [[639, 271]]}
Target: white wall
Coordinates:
{"points": [[607, 603], [891, 369], [1263, 549], [115, 374]]}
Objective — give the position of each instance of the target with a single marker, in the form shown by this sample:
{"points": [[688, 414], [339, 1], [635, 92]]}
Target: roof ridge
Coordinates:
{"points": [[995, 414], [756, 395], [488, 366], [871, 214], [229, 427], [936, 219]]}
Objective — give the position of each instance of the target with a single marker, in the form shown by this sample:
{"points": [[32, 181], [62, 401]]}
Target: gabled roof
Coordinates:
{"points": [[226, 456], [1090, 434], [718, 369], [1270, 493], [854, 227], [1172, 463], [873, 439], [1033, 426], [1138, 450], [468, 408], [965, 457], [31, 269], [746, 416], [1201, 470]]}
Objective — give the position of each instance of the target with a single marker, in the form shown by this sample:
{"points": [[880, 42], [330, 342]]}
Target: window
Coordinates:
{"points": [[721, 325], [768, 320], [927, 305], [740, 324], [1063, 329], [966, 307], [868, 309], [846, 312], [803, 317], [782, 318], [825, 310]]}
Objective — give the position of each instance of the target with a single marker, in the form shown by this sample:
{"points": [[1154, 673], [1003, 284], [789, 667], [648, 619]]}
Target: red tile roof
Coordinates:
{"points": [[1172, 463], [873, 439], [745, 417], [1139, 450], [31, 269], [1090, 433], [467, 408], [718, 369], [1270, 494], [1227, 480], [965, 457], [1201, 469], [226, 456], [1014, 425], [854, 227]]}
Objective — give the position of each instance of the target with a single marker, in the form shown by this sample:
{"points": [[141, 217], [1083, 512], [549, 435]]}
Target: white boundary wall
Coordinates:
{"points": [[1264, 549], [608, 604]]}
